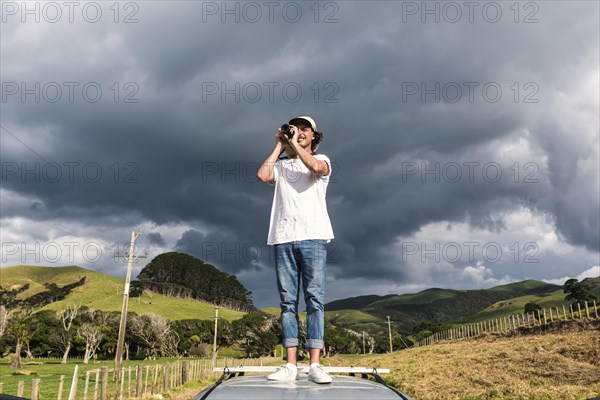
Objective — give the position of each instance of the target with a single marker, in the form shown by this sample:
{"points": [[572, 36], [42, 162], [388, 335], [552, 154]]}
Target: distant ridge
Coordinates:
{"points": [[370, 312], [355, 303]]}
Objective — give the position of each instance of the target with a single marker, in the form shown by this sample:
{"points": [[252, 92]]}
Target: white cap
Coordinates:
{"points": [[306, 118]]}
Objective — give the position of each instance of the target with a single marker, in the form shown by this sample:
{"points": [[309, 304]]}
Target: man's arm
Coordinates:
{"points": [[317, 167], [265, 172]]}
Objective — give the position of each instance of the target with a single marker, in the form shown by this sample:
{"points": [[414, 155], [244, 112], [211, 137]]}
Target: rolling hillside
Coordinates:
{"points": [[104, 292], [444, 305], [423, 297], [558, 365], [515, 305]]}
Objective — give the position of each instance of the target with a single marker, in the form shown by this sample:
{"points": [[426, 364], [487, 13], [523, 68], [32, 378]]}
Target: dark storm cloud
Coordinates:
{"points": [[183, 155]]}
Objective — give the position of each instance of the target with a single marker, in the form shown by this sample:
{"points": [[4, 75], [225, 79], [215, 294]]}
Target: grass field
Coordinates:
{"points": [[104, 292], [563, 365], [49, 373], [505, 308]]}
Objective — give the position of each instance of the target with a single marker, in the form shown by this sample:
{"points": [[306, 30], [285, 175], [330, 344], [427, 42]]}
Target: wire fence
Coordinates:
{"points": [[131, 382], [514, 322]]}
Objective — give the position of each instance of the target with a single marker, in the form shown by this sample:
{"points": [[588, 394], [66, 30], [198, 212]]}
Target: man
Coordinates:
{"points": [[299, 231]]}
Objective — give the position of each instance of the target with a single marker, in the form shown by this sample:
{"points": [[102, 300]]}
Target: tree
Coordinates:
{"points": [[92, 337], [182, 275], [64, 339], [577, 291], [257, 333], [341, 340], [532, 307], [3, 320], [155, 333], [18, 330]]}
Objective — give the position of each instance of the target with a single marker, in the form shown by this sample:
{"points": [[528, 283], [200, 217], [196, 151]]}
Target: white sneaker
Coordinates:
{"points": [[317, 374], [287, 372]]}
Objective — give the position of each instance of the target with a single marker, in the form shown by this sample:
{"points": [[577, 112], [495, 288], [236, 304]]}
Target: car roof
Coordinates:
{"points": [[257, 387]]}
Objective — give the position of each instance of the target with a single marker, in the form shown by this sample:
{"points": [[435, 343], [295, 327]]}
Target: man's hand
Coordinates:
{"points": [[281, 138], [295, 132]]}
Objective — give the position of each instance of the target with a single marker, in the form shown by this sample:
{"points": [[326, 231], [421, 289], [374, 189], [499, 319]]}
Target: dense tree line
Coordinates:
{"points": [[182, 275], [83, 332], [53, 293]]}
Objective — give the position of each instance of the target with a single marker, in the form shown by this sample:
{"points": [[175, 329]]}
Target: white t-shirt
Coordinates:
{"points": [[299, 210]]}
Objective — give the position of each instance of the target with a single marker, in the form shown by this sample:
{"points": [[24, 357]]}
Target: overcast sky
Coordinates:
{"points": [[464, 136]]}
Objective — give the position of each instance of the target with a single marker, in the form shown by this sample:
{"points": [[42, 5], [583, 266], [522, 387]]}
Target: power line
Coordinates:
{"points": [[23, 143]]}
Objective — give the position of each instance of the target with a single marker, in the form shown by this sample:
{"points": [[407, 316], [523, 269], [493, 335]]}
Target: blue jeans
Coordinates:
{"points": [[302, 261]]}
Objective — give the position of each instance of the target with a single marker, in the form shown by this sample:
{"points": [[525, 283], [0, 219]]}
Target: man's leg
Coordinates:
{"points": [[314, 270], [314, 355], [292, 354], [287, 283]]}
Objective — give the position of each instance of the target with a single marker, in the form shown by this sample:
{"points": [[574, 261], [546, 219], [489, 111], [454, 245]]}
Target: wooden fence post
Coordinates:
{"points": [[61, 384], [96, 384], [595, 310], [544, 316], [73, 390], [166, 376], [87, 384], [565, 312], [35, 389], [121, 384], [139, 376], [587, 310], [128, 382], [579, 308], [20, 388], [147, 369], [104, 384]]}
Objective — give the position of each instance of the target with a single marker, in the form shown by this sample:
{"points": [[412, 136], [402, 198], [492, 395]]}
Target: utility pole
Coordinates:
{"points": [[364, 352], [122, 325], [214, 359], [390, 333]]}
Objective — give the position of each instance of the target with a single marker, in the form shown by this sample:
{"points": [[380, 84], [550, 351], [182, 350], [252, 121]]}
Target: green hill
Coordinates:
{"points": [[354, 303], [423, 297], [515, 305], [356, 320], [105, 293], [441, 305], [527, 286]]}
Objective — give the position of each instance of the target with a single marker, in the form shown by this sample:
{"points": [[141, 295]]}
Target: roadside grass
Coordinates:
{"points": [[49, 373], [561, 365]]}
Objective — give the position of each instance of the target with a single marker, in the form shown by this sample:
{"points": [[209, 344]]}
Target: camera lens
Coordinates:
{"points": [[287, 130]]}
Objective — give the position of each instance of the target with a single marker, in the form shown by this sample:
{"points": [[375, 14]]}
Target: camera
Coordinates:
{"points": [[287, 130]]}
